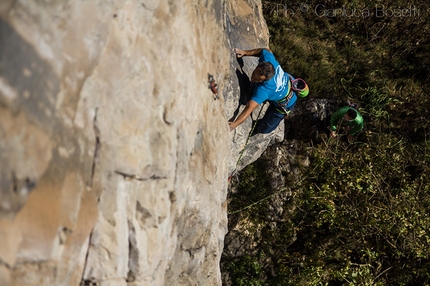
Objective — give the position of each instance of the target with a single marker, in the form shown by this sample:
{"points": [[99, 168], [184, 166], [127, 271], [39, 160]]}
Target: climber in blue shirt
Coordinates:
{"points": [[271, 83]]}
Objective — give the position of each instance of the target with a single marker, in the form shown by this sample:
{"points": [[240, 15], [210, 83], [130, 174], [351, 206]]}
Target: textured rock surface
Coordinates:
{"points": [[114, 152]]}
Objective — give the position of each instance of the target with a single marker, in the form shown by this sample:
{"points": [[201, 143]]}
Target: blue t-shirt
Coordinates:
{"points": [[275, 88]]}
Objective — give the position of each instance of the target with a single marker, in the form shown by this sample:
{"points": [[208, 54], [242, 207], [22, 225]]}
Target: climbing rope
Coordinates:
{"points": [[246, 143], [275, 193]]}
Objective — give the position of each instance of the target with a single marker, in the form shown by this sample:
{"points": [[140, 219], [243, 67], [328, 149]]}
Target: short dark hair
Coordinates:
{"points": [[267, 69], [352, 113]]}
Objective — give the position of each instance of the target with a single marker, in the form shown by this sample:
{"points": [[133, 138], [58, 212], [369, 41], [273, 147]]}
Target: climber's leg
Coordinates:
{"points": [[270, 121]]}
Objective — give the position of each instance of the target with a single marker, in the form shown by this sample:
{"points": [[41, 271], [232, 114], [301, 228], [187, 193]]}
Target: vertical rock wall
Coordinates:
{"points": [[114, 151]]}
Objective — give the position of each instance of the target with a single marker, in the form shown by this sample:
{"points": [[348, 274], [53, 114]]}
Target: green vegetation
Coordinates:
{"points": [[359, 214]]}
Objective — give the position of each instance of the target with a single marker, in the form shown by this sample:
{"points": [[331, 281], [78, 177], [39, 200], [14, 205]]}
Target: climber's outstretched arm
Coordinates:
{"points": [[255, 52], [250, 106]]}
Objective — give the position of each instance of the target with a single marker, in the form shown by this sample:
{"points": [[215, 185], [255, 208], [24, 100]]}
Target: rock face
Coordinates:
{"points": [[114, 152]]}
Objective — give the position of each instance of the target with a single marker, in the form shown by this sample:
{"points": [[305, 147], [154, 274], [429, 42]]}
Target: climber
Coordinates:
{"points": [[348, 120], [270, 83]]}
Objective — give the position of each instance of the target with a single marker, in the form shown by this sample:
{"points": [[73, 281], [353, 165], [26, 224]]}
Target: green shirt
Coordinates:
{"points": [[338, 119]]}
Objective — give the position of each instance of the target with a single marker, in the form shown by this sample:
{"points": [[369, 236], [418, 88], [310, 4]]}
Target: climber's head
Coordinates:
{"points": [[350, 115], [264, 71]]}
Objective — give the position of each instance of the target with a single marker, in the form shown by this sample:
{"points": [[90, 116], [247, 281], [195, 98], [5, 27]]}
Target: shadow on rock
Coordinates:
{"points": [[245, 87]]}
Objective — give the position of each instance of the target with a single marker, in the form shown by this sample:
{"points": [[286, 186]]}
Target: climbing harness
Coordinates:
{"points": [[295, 86], [283, 103]]}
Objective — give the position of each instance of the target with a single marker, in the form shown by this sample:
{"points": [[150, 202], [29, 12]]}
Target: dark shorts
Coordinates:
{"points": [[271, 119]]}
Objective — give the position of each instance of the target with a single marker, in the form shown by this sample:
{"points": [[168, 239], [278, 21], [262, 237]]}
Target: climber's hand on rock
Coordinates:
{"points": [[239, 53], [231, 125]]}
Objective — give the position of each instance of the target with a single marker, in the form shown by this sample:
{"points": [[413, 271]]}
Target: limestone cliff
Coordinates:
{"points": [[114, 153]]}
